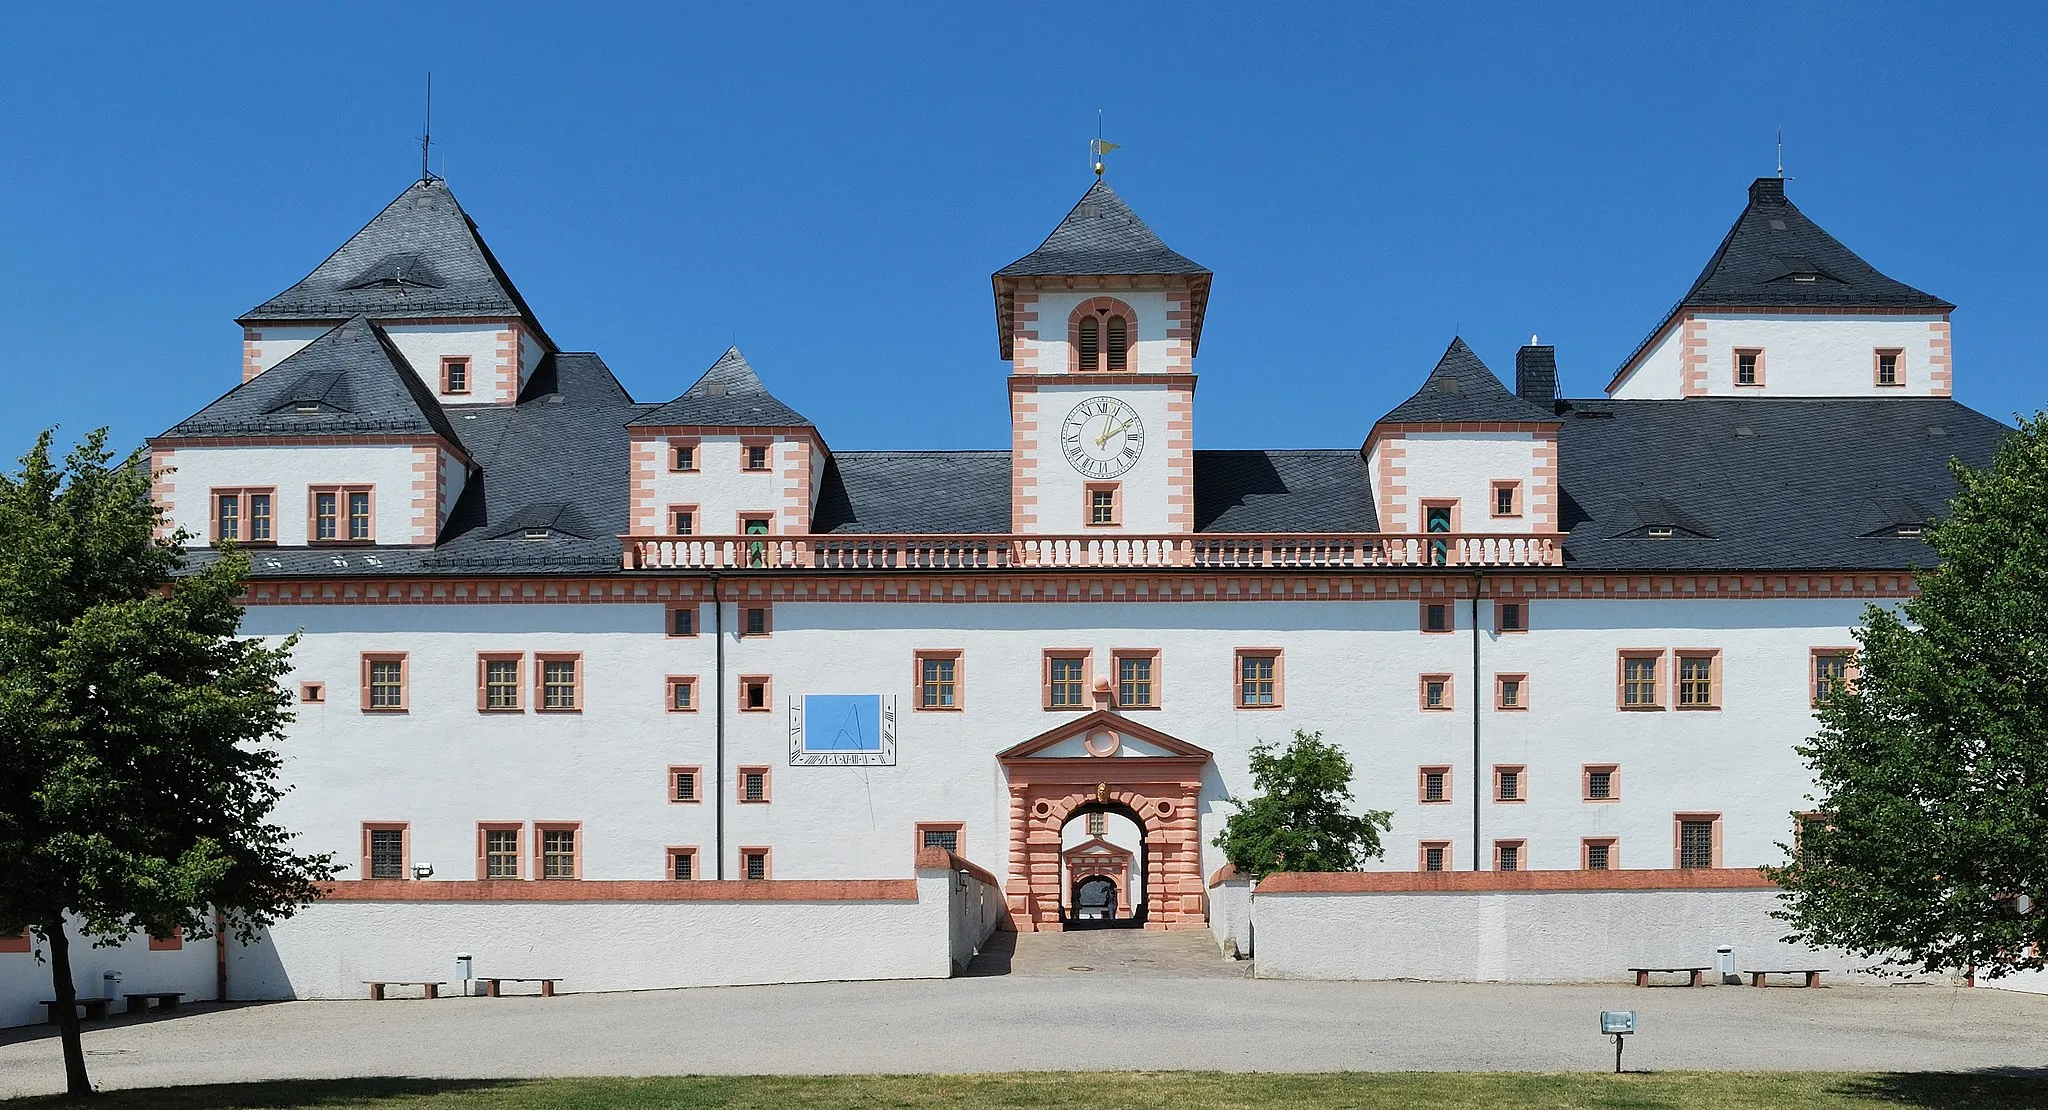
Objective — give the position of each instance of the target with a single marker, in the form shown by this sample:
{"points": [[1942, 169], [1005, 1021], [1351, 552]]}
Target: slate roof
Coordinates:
{"points": [[1101, 236], [1283, 491], [1760, 484], [421, 257], [1776, 257], [1462, 390], [349, 381], [914, 492], [730, 395]]}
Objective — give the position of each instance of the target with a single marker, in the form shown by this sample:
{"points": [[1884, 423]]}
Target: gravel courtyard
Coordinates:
{"points": [[1042, 1016]]}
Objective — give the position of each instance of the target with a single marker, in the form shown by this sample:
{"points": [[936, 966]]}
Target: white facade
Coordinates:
{"points": [[1797, 355], [401, 513]]}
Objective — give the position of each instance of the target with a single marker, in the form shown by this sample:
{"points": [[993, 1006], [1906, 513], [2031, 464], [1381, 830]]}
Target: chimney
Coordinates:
{"points": [[1536, 373], [1767, 190]]}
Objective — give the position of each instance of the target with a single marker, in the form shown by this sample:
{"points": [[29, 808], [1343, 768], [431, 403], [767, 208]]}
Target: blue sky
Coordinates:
{"points": [[831, 185]]}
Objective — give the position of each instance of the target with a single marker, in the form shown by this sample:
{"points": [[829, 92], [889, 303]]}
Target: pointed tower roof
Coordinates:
{"points": [[1100, 237], [1461, 390], [729, 395], [350, 381], [420, 258], [1775, 257]]}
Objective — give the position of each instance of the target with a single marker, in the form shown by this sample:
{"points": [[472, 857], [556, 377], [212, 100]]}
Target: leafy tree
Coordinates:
{"points": [[1301, 820], [1932, 771], [136, 729]]}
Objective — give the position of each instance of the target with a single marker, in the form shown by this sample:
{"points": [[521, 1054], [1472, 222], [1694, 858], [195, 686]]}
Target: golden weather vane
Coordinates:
{"points": [[1099, 146]]}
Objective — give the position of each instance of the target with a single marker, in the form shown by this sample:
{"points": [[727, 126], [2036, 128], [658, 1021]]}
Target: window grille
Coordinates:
{"points": [[949, 839], [1510, 856], [1599, 785], [1596, 857], [1433, 858], [1510, 786], [387, 854], [756, 865], [686, 786], [1695, 844], [1432, 786], [755, 785], [683, 865]]}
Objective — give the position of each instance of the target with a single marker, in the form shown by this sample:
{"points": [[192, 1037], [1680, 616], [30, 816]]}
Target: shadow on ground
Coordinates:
{"points": [[45, 1031], [280, 1094], [1994, 1089]]}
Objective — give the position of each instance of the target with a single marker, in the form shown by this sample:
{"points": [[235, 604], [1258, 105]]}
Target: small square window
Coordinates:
{"points": [[754, 864], [1602, 854], [1507, 499], [682, 619], [755, 620], [756, 456], [945, 835], [682, 520], [1509, 784], [1105, 504], [1698, 840], [1436, 855], [1602, 782], [384, 851], [1435, 785], [1098, 824], [682, 694], [313, 693], [1511, 691], [1749, 366], [1436, 692], [1508, 855], [753, 785], [454, 375], [685, 784], [1510, 616], [1889, 367], [682, 456], [1437, 616], [754, 694], [682, 864]]}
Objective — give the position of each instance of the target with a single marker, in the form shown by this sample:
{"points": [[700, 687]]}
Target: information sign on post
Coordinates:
{"points": [[1617, 1024]]}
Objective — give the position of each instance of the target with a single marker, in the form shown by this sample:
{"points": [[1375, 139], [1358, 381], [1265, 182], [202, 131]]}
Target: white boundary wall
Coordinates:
{"points": [[25, 976], [1525, 936], [1230, 913]]}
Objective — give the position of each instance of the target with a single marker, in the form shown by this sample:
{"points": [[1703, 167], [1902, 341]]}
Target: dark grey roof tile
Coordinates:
{"points": [[729, 394], [1101, 235], [1461, 390]]}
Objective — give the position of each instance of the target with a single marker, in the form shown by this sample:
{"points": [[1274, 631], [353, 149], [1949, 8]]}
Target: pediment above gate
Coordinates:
{"points": [[1104, 735]]}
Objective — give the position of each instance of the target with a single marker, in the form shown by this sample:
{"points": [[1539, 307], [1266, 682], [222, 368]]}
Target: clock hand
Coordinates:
{"points": [[1109, 431]]}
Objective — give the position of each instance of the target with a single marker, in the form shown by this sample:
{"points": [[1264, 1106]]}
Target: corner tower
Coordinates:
{"points": [[1101, 324]]}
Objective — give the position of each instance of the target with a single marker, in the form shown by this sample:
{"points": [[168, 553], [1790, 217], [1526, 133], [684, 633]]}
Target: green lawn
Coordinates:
{"points": [[1118, 1090]]}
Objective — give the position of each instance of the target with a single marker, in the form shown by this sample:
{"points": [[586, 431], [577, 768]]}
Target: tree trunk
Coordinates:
{"points": [[75, 1082]]}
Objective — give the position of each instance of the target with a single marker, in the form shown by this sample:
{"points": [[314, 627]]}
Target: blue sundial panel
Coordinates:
{"points": [[842, 730]]}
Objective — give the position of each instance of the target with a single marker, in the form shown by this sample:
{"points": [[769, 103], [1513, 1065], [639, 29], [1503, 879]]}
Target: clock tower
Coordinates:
{"points": [[1100, 325]]}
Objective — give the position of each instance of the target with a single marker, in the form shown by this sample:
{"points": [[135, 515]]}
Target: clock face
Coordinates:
{"points": [[1102, 437]]}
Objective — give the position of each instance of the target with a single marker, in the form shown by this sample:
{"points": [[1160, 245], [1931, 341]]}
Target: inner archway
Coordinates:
{"points": [[1102, 868]]}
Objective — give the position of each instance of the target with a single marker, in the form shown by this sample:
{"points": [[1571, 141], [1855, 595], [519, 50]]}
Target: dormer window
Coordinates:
{"points": [[1909, 531], [536, 533], [1659, 531], [455, 375], [306, 406]]}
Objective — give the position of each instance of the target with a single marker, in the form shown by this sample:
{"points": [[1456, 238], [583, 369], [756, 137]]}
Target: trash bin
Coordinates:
{"points": [[1724, 965]]}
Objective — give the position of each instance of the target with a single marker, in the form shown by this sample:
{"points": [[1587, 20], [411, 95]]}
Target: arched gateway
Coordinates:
{"points": [[1104, 761]]}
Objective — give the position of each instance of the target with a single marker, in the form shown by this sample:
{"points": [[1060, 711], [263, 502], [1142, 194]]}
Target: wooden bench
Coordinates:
{"points": [[547, 986], [95, 1008], [1643, 974], [429, 989], [1756, 978], [165, 1000]]}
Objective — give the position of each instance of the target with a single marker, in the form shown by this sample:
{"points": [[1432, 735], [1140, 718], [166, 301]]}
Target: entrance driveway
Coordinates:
{"points": [[1045, 1018]]}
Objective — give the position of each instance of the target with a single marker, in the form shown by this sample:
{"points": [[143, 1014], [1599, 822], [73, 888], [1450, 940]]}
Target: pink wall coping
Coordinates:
{"points": [[1457, 882], [631, 890], [939, 859], [1223, 874]]}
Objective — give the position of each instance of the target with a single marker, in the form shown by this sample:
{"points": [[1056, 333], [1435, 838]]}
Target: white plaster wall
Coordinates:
{"points": [[1660, 374], [1464, 465], [1230, 914], [1818, 356], [25, 976], [292, 470], [530, 354], [1063, 491], [279, 343], [1526, 937], [330, 948], [1351, 671], [1804, 356], [1148, 354], [974, 910], [424, 345], [2026, 982], [721, 490]]}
